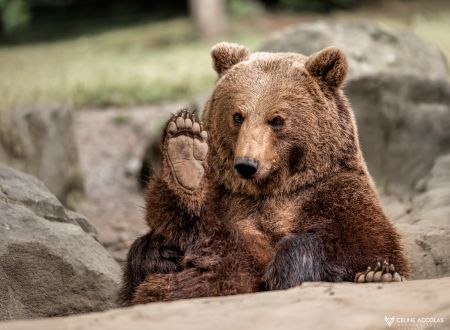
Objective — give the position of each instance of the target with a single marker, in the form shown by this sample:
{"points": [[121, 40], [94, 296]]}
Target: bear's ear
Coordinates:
{"points": [[225, 55], [329, 65]]}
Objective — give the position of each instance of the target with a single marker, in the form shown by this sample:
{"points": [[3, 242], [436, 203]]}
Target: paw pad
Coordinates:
{"points": [[186, 150]]}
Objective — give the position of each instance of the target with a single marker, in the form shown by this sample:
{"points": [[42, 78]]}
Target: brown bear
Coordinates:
{"points": [[275, 194]]}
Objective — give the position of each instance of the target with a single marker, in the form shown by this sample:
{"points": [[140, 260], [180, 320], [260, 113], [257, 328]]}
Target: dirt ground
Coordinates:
{"points": [[111, 143]]}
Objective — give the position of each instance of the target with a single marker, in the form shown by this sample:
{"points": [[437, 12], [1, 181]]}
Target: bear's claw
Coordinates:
{"points": [[381, 273], [186, 149]]}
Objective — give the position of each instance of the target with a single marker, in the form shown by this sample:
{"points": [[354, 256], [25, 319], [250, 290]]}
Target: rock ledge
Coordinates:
{"points": [[310, 306]]}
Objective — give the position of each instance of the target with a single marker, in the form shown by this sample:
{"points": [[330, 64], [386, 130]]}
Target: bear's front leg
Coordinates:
{"points": [[174, 201], [300, 258], [149, 254], [184, 152]]}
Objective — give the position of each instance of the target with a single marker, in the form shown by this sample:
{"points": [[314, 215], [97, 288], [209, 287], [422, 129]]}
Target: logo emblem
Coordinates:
{"points": [[389, 320]]}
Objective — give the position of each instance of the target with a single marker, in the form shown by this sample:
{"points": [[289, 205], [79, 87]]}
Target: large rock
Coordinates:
{"points": [[426, 224], [408, 305], [398, 86], [404, 124], [372, 49], [40, 141], [50, 262]]}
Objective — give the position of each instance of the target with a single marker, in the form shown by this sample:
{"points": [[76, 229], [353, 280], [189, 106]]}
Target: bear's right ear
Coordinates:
{"points": [[329, 65], [225, 55]]}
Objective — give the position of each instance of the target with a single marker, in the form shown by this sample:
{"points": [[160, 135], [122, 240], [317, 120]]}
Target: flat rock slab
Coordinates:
{"points": [[310, 306]]}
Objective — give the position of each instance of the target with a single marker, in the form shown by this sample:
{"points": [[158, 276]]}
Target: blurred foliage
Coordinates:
{"points": [[14, 14], [38, 20], [245, 7], [314, 5], [318, 5], [18, 14]]}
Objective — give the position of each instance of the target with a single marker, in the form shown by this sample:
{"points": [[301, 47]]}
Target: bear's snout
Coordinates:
{"points": [[246, 167]]}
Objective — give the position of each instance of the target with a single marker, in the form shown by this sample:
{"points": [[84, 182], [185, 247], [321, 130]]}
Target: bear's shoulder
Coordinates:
{"points": [[344, 194]]}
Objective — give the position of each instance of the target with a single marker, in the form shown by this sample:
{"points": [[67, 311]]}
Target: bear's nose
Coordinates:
{"points": [[246, 167]]}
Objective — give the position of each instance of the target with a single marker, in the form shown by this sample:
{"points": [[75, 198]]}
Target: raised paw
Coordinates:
{"points": [[383, 272], [186, 149]]}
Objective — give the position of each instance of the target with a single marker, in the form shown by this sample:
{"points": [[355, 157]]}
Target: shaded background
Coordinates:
{"points": [[103, 52]]}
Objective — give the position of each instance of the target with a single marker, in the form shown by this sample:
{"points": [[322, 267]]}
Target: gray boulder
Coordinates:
{"points": [[50, 262], [371, 49], [426, 224], [40, 141], [399, 89]]}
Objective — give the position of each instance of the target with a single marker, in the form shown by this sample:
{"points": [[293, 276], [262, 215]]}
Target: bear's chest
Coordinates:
{"points": [[277, 219], [261, 225]]}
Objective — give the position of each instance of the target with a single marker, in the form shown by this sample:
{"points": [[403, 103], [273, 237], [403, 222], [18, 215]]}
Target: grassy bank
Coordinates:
{"points": [[140, 64]]}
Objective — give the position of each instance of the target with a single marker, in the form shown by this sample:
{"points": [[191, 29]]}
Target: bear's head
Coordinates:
{"points": [[279, 121]]}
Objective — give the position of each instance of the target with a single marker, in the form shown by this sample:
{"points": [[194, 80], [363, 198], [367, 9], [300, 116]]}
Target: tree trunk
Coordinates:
{"points": [[209, 17]]}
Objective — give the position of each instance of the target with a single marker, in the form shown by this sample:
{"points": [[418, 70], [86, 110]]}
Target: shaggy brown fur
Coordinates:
{"points": [[189, 251], [286, 194]]}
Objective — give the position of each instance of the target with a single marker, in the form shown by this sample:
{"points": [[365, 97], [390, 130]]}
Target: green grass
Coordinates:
{"points": [[141, 64]]}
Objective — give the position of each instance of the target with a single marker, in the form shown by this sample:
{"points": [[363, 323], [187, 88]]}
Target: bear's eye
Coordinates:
{"points": [[238, 119], [276, 122]]}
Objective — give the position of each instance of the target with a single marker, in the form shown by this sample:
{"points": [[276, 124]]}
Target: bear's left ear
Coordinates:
{"points": [[225, 55], [329, 65]]}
